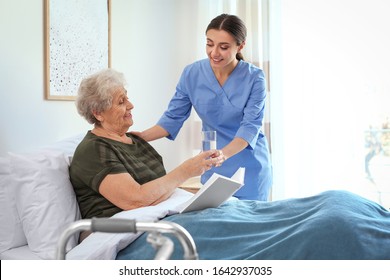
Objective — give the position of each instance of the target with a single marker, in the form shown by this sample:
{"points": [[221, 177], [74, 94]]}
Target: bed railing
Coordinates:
{"points": [[164, 246]]}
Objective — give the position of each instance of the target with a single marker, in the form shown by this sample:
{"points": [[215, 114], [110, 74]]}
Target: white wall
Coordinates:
{"points": [[26, 119], [147, 46]]}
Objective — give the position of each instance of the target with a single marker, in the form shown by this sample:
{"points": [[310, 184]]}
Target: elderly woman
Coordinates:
{"points": [[113, 170]]}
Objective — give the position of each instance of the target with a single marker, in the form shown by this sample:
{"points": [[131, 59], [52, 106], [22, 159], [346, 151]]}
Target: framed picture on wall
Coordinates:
{"points": [[77, 42]]}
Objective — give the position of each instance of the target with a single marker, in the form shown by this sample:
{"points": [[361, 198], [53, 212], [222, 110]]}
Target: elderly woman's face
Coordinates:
{"points": [[118, 117]]}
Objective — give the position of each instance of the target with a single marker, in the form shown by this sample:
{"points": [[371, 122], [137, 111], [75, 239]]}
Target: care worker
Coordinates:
{"points": [[229, 96]]}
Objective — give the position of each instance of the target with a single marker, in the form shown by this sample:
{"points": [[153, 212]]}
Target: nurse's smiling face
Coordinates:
{"points": [[222, 48]]}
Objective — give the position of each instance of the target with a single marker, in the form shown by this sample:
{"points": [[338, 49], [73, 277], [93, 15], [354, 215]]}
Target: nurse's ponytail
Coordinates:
{"points": [[239, 56], [233, 25]]}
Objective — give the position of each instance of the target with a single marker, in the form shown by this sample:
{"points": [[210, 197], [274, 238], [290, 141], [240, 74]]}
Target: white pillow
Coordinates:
{"points": [[11, 233], [45, 199], [67, 145]]}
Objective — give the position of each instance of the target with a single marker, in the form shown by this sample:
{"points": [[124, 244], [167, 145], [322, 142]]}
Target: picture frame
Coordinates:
{"points": [[77, 44]]}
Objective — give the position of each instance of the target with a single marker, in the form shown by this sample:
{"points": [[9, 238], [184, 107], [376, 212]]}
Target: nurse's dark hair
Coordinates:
{"points": [[231, 24]]}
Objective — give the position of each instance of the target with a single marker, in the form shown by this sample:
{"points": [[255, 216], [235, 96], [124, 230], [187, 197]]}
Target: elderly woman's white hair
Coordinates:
{"points": [[95, 93]]}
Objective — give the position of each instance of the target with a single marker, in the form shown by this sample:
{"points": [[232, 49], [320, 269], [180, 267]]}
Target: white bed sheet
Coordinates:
{"points": [[105, 246], [19, 253]]}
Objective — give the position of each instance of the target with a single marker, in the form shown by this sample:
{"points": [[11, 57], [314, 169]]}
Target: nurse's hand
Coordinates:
{"points": [[218, 158]]}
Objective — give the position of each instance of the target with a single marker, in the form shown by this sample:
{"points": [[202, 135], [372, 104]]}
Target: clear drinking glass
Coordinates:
{"points": [[209, 140]]}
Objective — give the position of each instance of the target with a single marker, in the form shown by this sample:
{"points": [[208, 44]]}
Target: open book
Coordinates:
{"points": [[214, 192]]}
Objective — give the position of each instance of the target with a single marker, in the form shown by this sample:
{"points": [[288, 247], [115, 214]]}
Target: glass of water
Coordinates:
{"points": [[209, 140]]}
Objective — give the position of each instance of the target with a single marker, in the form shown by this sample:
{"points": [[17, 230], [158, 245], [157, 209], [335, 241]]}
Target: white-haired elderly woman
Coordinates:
{"points": [[113, 170]]}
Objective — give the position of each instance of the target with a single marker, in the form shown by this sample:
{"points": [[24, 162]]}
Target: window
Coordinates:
{"points": [[330, 97]]}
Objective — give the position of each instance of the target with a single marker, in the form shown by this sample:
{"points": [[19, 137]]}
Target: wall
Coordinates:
{"points": [[147, 46], [26, 119]]}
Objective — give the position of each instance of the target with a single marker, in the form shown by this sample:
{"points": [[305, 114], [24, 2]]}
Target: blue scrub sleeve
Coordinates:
{"points": [[252, 122]]}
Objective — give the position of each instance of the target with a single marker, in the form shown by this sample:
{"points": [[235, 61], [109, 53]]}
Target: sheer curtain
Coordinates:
{"points": [[330, 89]]}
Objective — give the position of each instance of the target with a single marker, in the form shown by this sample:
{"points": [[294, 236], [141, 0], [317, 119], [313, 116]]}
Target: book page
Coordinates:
{"points": [[214, 192]]}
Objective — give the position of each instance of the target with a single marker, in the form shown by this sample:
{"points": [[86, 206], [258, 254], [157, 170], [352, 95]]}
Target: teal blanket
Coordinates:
{"points": [[332, 225]]}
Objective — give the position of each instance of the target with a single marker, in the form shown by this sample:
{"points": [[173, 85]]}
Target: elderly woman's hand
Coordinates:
{"points": [[202, 162], [198, 164]]}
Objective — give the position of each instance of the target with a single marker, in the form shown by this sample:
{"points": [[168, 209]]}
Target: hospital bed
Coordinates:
{"points": [[40, 219]]}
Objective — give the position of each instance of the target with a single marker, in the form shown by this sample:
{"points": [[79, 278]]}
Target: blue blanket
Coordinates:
{"points": [[332, 225]]}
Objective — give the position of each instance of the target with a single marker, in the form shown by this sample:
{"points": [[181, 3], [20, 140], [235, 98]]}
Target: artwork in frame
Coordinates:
{"points": [[77, 42]]}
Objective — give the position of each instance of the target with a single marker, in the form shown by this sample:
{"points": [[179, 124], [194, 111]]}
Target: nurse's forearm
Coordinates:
{"points": [[153, 133], [234, 147]]}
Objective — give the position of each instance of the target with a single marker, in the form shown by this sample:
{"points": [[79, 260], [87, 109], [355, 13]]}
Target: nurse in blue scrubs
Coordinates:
{"points": [[229, 96]]}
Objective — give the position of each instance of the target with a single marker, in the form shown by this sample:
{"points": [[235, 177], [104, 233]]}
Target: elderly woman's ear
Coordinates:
{"points": [[98, 116]]}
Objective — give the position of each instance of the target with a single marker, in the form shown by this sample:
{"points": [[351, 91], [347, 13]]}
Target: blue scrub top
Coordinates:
{"points": [[234, 110]]}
